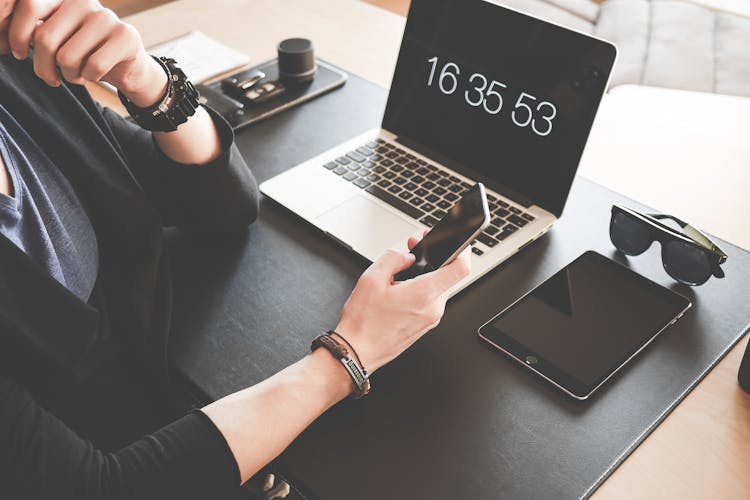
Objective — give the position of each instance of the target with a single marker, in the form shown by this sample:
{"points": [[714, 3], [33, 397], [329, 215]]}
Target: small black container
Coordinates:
{"points": [[296, 61], [744, 375]]}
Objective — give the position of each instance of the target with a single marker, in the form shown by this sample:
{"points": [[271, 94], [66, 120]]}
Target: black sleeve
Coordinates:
{"points": [[219, 196], [41, 458]]}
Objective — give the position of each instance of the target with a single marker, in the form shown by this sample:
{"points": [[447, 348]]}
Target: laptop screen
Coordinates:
{"points": [[500, 96]]}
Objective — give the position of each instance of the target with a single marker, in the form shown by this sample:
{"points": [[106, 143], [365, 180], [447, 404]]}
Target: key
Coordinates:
{"points": [[409, 210], [353, 155], [518, 221], [428, 220], [487, 240]]}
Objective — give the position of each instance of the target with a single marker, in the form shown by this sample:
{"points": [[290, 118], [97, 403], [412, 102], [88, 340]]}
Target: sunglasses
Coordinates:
{"points": [[688, 256]]}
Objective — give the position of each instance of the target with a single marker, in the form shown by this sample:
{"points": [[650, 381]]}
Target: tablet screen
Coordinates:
{"points": [[582, 324]]}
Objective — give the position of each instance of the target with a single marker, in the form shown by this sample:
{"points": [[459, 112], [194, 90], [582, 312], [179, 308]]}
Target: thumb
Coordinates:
{"points": [[392, 262], [443, 279]]}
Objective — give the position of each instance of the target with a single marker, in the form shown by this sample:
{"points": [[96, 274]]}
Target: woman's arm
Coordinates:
{"points": [[82, 41], [262, 420], [380, 320], [194, 176], [208, 454], [41, 457]]}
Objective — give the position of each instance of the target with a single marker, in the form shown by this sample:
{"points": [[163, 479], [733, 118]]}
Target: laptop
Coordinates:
{"points": [[480, 93]]}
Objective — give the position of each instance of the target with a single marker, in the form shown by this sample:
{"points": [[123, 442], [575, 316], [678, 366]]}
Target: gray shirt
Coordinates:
{"points": [[44, 217]]}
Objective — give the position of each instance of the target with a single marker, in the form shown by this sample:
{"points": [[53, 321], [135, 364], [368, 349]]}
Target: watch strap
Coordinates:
{"points": [[179, 102]]}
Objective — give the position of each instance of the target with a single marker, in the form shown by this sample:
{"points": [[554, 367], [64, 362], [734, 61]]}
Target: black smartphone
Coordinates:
{"points": [[451, 235]]}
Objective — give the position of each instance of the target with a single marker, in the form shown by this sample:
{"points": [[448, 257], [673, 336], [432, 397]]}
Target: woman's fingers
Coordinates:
{"points": [[440, 281], [53, 34], [121, 46], [26, 17], [93, 34], [4, 44], [413, 240]]}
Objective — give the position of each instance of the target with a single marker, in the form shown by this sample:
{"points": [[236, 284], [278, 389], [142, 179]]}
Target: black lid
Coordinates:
{"points": [[296, 59]]}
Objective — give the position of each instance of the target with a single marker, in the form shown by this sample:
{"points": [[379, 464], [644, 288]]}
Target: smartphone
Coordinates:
{"points": [[451, 235]]}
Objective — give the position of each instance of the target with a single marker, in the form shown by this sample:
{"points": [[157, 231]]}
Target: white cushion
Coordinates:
{"points": [[677, 44]]}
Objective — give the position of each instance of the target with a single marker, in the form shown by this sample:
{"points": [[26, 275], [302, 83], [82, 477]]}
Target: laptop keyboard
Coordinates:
{"points": [[422, 191]]}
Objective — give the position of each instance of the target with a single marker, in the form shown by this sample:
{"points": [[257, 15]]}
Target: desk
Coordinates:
{"points": [[702, 449]]}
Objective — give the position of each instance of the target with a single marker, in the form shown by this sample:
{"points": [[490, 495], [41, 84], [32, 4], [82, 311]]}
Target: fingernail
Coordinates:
{"points": [[16, 55]]}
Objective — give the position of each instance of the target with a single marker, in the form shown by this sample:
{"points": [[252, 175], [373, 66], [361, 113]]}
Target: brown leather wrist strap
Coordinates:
{"points": [[348, 345], [341, 353]]}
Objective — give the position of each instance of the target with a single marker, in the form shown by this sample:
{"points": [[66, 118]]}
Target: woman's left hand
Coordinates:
{"points": [[86, 42]]}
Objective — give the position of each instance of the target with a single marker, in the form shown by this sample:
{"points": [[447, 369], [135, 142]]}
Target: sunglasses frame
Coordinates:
{"points": [[689, 234]]}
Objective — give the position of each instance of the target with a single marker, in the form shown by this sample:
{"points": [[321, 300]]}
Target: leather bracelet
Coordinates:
{"points": [[341, 353], [348, 345]]}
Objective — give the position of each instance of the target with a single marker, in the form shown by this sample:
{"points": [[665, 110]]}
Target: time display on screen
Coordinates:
{"points": [[481, 92]]}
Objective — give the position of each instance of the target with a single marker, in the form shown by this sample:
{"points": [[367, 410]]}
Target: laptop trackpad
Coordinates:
{"points": [[366, 226]]}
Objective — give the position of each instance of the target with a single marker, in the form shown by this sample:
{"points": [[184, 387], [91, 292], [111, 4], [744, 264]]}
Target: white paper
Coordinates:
{"points": [[200, 56]]}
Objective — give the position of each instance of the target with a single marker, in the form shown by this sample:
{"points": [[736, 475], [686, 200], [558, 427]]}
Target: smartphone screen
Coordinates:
{"points": [[453, 233]]}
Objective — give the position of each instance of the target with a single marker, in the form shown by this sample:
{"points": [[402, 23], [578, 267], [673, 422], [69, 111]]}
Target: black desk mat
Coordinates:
{"points": [[451, 418]]}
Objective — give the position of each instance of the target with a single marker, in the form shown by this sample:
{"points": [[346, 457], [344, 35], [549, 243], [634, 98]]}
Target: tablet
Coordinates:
{"points": [[584, 323]]}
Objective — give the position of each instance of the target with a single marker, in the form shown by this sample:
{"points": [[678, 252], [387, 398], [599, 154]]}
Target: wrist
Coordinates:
{"points": [[356, 341], [332, 374], [152, 86]]}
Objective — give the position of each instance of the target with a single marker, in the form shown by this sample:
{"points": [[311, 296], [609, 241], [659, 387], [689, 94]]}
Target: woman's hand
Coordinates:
{"points": [[382, 318], [85, 41]]}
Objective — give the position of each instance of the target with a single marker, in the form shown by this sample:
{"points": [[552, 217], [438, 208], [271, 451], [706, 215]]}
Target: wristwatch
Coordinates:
{"points": [[177, 105]]}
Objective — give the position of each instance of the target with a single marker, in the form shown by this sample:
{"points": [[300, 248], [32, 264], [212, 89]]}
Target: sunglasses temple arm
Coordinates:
{"points": [[682, 223], [696, 234]]}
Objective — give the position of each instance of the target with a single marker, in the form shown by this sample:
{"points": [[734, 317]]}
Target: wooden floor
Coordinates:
{"points": [[398, 6], [127, 7]]}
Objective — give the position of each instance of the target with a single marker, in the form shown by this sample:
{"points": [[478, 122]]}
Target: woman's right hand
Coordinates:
{"points": [[382, 318]]}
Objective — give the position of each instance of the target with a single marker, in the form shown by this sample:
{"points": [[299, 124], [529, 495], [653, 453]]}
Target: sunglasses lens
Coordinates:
{"points": [[629, 235], [685, 262]]}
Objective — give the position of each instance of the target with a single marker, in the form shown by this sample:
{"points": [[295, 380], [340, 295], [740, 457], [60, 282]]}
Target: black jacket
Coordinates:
{"points": [[48, 337]]}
